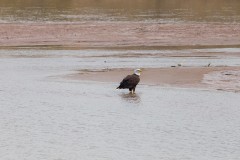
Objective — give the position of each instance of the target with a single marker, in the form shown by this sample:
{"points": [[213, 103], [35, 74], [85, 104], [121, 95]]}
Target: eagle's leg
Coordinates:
{"points": [[131, 90]]}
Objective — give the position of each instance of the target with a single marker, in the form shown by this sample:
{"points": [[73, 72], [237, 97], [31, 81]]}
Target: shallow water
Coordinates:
{"points": [[160, 11], [44, 116], [108, 59]]}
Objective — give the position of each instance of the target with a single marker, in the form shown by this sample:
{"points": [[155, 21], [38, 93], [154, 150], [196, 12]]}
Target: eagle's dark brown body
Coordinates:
{"points": [[130, 82]]}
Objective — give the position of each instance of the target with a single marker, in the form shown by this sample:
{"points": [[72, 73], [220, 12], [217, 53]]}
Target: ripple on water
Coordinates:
{"points": [[224, 80]]}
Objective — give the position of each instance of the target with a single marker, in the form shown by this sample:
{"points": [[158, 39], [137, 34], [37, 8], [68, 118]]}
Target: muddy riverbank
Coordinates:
{"points": [[121, 34]]}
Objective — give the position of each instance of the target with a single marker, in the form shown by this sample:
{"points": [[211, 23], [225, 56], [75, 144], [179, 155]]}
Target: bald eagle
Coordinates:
{"points": [[130, 82]]}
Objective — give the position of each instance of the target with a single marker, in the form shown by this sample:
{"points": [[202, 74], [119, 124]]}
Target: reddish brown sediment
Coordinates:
{"points": [[120, 34], [177, 77]]}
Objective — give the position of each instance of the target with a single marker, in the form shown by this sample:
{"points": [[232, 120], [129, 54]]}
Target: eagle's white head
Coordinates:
{"points": [[137, 72]]}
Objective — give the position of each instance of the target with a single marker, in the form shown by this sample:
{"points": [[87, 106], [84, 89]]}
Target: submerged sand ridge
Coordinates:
{"points": [[193, 77], [120, 34]]}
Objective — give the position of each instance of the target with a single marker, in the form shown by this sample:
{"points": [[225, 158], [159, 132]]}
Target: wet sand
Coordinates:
{"points": [[120, 34], [193, 77]]}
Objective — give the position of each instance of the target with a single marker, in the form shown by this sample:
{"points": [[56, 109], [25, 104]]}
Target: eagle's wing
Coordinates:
{"points": [[126, 80], [129, 82]]}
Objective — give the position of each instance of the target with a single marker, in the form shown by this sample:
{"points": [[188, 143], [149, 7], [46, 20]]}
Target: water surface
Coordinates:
{"points": [[45, 116], [160, 11]]}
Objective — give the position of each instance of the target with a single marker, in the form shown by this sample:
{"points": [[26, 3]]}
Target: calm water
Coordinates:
{"points": [[45, 116], [103, 59], [159, 11]]}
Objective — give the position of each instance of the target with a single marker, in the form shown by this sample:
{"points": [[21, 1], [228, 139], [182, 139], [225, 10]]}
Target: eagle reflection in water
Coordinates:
{"points": [[130, 98]]}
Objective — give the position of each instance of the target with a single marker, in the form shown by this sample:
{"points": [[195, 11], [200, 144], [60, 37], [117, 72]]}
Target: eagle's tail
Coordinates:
{"points": [[119, 87]]}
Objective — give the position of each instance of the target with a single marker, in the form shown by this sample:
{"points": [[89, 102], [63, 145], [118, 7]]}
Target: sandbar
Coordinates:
{"points": [[193, 77], [135, 35]]}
